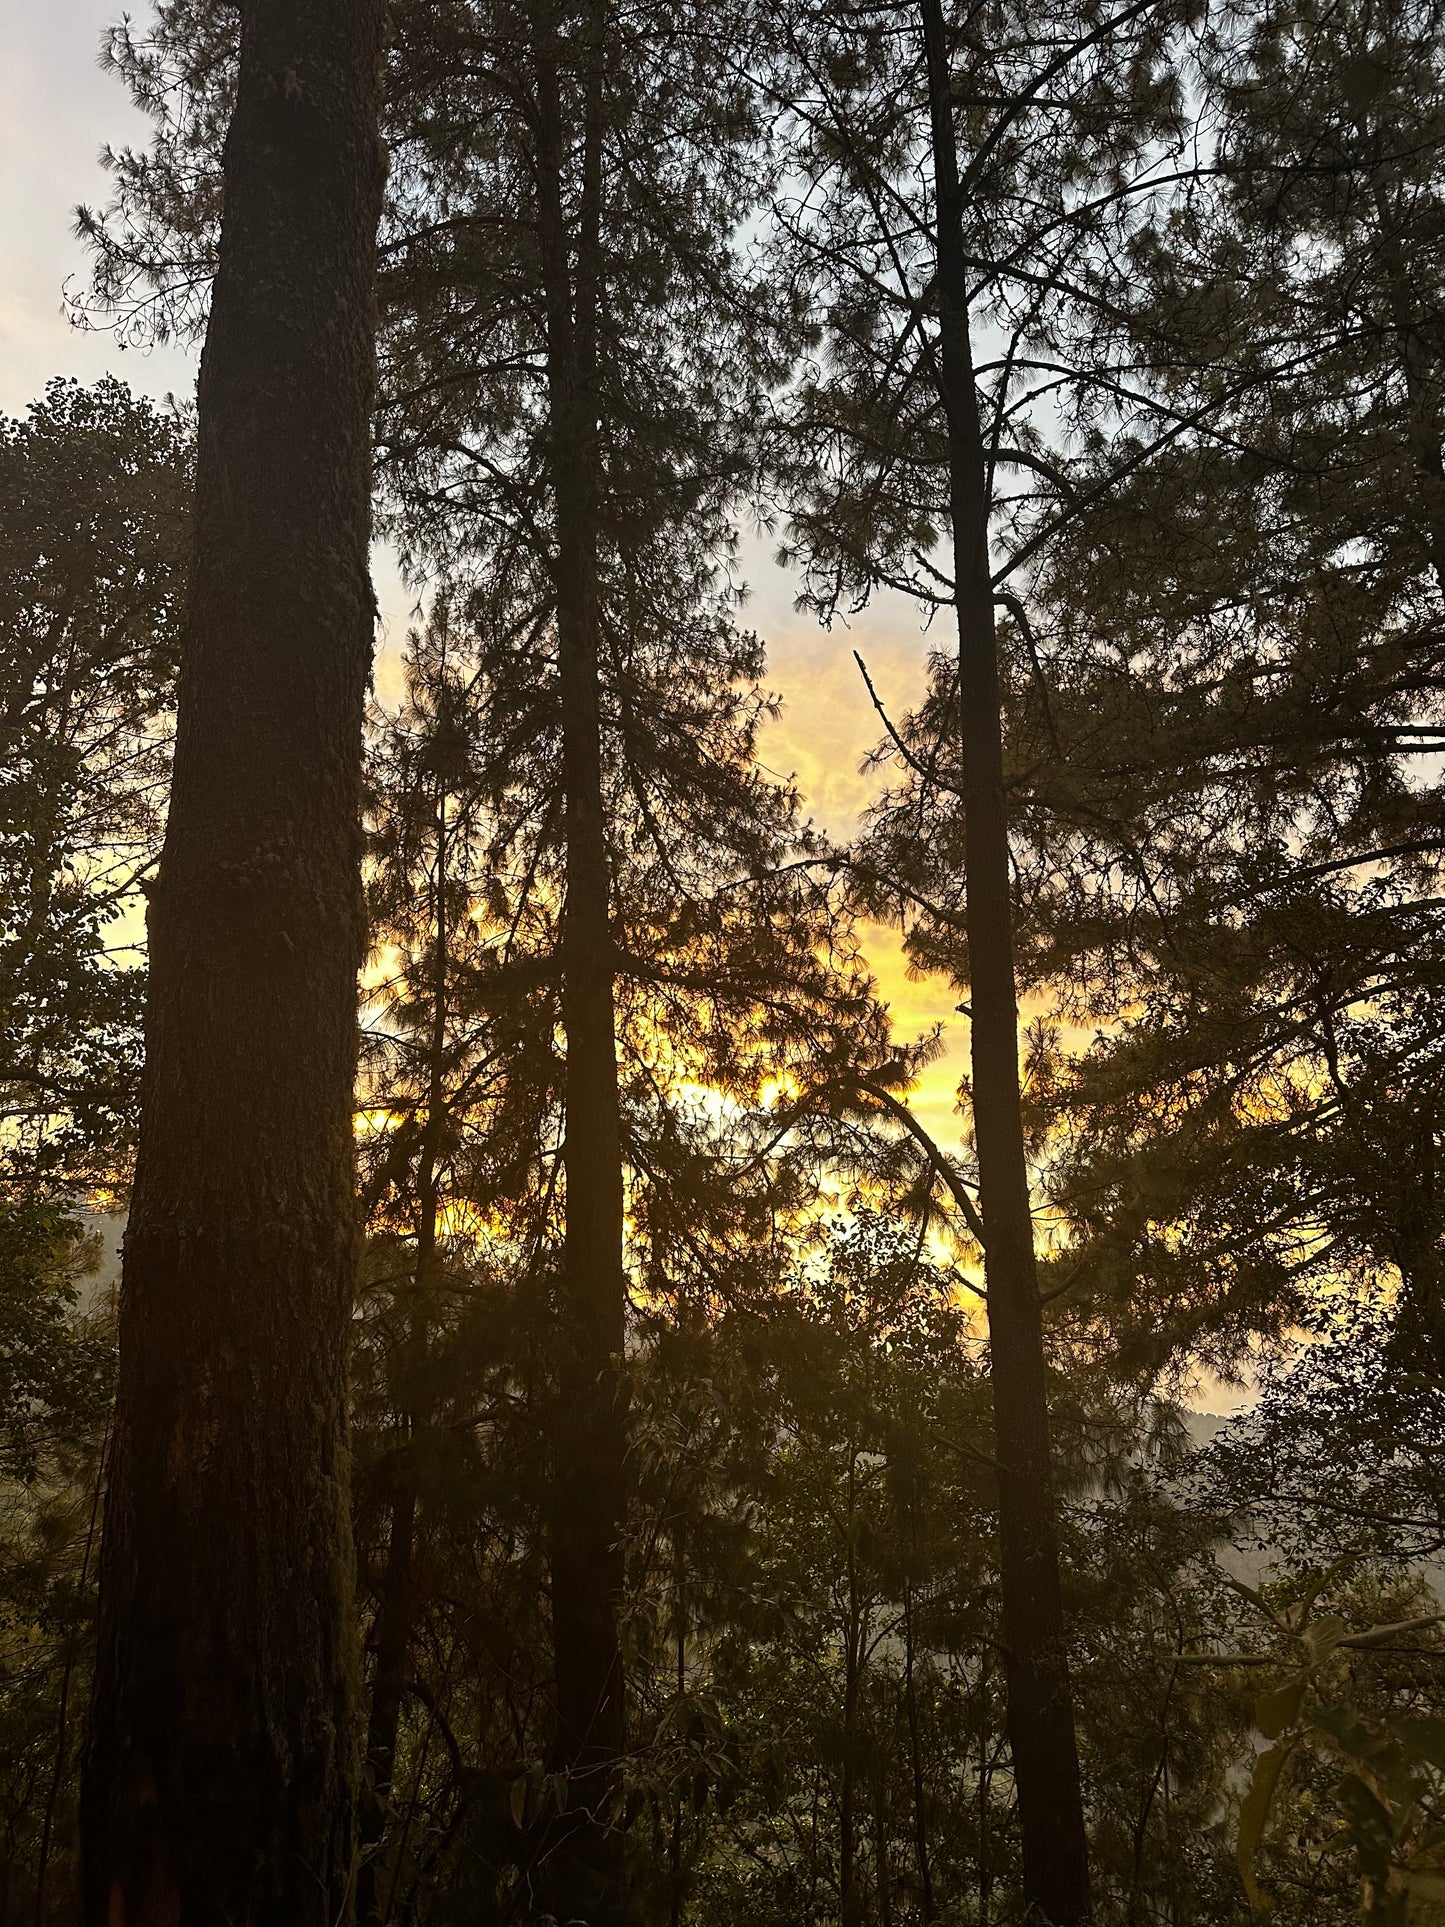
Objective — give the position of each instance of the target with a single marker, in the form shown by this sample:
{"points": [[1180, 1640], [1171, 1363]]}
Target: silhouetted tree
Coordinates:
{"points": [[939, 171], [220, 1773]]}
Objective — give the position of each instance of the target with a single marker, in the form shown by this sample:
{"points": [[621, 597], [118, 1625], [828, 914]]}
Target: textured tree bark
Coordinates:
{"points": [[1040, 1705], [582, 1867], [220, 1775]]}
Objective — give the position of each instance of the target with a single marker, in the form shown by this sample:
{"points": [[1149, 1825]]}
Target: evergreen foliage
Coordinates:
{"points": [[730, 1467]]}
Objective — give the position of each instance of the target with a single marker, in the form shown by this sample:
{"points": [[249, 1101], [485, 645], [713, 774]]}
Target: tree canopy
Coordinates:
{"points": [[767, 1506]]}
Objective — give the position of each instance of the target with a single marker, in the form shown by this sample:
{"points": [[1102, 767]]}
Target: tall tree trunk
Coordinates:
{"points": [[679, 1592], [585, 1858], [915, 1758], [1040, 1707], [850, 1900], [985, 1796], [221, 1765], [880, 1843], [396, 1607]]}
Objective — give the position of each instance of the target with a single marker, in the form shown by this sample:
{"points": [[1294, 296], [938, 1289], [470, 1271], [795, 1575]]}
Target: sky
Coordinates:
{"points": [[58, 110]]}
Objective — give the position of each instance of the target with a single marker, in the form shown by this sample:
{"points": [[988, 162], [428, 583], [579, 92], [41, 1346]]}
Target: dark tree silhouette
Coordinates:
{"points": [[587, 1491], [1040, 1708], [220, 1776]]}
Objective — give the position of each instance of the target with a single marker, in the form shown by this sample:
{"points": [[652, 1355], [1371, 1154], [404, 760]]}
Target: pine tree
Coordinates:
{"points": [[570, 474], [1238, 846], [721, 985], [951, 180], [93, 514], [220, 1776], [93, 509]]}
